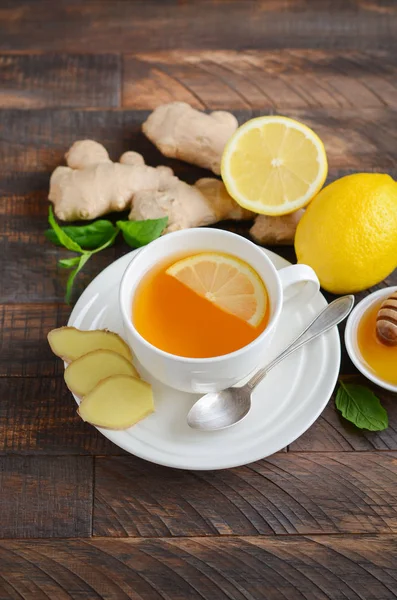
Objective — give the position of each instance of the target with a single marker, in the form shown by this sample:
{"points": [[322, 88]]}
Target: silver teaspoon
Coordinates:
{"points": [[218, 410]]}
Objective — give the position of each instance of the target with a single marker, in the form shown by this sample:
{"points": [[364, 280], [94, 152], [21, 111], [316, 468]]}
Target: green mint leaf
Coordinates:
{"points": [[69, 285], [63, 238], [359, 405], [68, 263], [140, 233], [110, 242], [79, 262], [88, 237]]}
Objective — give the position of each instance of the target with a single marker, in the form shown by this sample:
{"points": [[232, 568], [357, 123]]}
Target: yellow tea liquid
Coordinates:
{"points": [[175, 319], [379, 358]]}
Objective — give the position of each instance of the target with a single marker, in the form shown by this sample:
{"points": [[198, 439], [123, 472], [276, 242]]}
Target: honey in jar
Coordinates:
{"points": [[379, 358]]}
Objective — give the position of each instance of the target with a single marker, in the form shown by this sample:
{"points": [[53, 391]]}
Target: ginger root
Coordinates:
{"points": [[276, 230], [204, 203], [180, 131], [92, 185]]}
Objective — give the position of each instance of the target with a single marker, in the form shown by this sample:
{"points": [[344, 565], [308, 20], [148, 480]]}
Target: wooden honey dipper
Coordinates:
{"points": [[386, 321]]}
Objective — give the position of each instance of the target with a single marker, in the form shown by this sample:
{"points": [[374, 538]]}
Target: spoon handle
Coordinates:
{"points": [[332, 314]]}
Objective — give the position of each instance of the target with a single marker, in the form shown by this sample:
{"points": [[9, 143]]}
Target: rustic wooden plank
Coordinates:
{"points": [[254, 79], [34, 142], [55, 80], [153, 25], [287, 493], [30, 272], [24, 350], [31, 207], [332, 433], [28, 263], [38, 417], [45, 497], [343, 133], [316, 568]]}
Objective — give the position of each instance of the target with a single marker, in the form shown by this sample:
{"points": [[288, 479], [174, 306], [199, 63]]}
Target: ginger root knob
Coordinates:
{"points": [[180, 131]]}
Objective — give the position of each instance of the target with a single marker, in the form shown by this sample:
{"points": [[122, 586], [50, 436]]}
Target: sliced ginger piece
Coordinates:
{"points": [[70, 343], [117, 402], [84, 373]]}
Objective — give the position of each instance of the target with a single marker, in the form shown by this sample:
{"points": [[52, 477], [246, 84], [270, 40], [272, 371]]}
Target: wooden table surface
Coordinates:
{"points": [[80, 518]]}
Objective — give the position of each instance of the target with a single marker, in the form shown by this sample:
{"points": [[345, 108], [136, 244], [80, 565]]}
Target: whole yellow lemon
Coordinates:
{"points": [[348, 234]]}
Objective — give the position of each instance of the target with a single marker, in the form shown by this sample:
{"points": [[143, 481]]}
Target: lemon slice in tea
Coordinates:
{"points": [[228, 282]]}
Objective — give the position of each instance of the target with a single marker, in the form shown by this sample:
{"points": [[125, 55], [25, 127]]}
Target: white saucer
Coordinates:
{"points": [[285, 404]]}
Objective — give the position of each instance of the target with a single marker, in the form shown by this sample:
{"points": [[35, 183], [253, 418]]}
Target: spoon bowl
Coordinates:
{"points": [[219, 410]]}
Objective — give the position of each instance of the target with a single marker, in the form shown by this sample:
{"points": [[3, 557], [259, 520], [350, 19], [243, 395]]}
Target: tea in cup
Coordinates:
{"points": [[221, 307], [186, 319]]}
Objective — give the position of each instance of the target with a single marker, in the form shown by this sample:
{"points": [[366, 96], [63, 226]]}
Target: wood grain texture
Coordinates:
{"points": [[32, 276], [30, 272], [38, 417], [34, 141], [332, 433], [287, 493], [318, 522], [55, 80], [273, 79], [45, 497], [315, 568], [155, 25], [28, 263], [24, 350]]}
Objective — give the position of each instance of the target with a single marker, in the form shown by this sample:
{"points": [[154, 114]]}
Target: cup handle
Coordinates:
{"points": [[299, 280]]}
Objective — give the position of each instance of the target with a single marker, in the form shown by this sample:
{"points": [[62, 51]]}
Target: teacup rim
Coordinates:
{"points": [[223, 357]]}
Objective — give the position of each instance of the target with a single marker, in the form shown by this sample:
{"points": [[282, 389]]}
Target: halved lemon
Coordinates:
{"points": [[228, 282], [274, 165]]}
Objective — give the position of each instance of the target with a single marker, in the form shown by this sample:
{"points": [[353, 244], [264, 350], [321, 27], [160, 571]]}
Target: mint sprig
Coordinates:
{"points": [[91, 238], [68, 236]]}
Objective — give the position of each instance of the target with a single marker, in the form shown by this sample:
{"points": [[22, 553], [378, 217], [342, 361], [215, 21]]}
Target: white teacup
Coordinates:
{"points": [[210, 374]]}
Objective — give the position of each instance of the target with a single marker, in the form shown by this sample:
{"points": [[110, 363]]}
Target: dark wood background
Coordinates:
{"points": [[79, 518]]}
